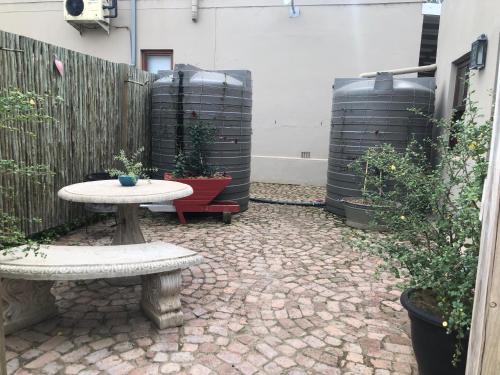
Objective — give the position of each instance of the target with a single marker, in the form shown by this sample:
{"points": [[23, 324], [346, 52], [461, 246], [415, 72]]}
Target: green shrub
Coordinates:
{"points": [[193, 163], [18, 111], [132, 166], [432, 213]]}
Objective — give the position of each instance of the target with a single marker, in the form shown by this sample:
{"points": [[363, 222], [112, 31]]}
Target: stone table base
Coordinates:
{"points": [[127, 232]]}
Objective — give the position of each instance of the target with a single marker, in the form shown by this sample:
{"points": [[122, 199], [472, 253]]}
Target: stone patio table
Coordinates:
{"points": [[127, 199]]}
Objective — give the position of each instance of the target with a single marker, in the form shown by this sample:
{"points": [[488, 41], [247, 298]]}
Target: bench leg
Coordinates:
{"points": [[26, 303], [161, 298]]}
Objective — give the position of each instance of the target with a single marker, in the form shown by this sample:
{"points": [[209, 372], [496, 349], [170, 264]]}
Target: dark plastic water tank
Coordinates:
{"points": [[367, 112], [223, 99]]}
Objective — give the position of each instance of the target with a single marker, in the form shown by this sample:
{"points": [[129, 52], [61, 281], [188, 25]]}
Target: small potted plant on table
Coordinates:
{"points": [[432, 216], [133, 168], [191, 168]]}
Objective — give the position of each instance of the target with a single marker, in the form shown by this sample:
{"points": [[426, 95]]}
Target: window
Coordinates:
{"points": [[461, 83], [154, 60], [461, 89]]}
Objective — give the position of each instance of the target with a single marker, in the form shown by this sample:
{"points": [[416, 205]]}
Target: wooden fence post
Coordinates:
{"points": [[124, 107], [484, 343]]}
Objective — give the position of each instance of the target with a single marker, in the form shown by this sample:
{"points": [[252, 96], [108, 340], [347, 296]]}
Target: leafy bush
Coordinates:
{"points": [[432, 213], [18, 111], [132, 166], [193, 163]]}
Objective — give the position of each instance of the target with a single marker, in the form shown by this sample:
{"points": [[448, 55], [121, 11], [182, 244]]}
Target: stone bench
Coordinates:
{"points": [[27, 280]]}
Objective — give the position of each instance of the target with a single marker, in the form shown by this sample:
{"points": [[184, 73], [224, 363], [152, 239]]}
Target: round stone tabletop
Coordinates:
{"points": [[111, 191]]}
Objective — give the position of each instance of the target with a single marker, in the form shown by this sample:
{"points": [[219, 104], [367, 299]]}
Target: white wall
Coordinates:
{"points": [[462, 22], [293, 60]]}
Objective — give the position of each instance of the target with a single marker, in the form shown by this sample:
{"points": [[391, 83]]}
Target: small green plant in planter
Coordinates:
{"points": [[192, 168], [194, 163], [133, 168], [431, 213]]}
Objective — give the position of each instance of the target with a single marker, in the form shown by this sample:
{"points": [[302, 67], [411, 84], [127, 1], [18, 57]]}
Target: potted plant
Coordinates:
{"points": [[192, 168], [432, 216], [133, 168]]}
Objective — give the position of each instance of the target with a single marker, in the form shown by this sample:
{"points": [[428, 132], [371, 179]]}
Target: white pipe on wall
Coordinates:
{"points": [[133, 33], [415, 69], [194, 10]]}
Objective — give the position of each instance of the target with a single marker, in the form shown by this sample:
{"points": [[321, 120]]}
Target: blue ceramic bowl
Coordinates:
{"points": [[127, 180]]}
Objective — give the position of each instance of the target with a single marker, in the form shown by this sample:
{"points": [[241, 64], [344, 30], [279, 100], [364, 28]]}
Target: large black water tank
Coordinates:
{"points": [[223, 99], [370, 112]]}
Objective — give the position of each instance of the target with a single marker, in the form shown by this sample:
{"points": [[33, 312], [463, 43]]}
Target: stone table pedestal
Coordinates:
{"points": [[127, 199]]}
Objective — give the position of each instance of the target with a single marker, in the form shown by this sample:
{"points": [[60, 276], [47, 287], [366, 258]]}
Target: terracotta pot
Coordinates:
{"points": [[205, 189]]}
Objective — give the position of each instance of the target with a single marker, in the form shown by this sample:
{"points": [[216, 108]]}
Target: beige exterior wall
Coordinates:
{"points": [[293, 60], [462, 22]]}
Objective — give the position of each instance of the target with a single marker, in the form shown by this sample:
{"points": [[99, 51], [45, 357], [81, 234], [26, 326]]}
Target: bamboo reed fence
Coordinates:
{"points": [[105, 108]]}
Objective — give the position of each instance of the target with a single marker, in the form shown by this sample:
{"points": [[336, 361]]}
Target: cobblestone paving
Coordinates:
{"points": [[299, 193], [279, 293]]}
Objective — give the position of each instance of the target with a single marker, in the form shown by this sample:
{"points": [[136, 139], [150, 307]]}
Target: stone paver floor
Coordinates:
{"points": [[279, 293], [286, 192]]}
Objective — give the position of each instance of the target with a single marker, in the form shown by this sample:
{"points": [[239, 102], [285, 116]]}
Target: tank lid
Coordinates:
{"points": [[215, 77], [167, 78], [364, 86], [384, 82]]}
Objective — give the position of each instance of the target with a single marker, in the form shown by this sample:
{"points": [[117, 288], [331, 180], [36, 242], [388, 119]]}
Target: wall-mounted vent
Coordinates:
{"points": [[305, 155]]}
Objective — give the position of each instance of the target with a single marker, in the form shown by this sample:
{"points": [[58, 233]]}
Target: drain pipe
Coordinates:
{"points": [[415, 69], [194, 10], [133, 32]]}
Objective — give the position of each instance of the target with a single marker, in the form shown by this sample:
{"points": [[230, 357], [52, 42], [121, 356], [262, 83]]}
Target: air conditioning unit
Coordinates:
{"points": [[88, 14]]}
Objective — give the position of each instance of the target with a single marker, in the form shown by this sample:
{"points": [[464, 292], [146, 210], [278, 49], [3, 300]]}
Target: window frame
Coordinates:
{"points": [[461, 65], [460, 92], [145, 53]]}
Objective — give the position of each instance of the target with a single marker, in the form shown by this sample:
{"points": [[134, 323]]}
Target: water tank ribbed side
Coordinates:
{"points": [[371, 112], [221, 98]]}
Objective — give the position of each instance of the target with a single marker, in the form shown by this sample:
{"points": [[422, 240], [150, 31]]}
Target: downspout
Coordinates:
{"points": [[194, 10], [133, 32]]}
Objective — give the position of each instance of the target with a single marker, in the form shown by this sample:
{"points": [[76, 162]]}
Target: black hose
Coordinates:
{"points": [[179, 114], [288, 203]]}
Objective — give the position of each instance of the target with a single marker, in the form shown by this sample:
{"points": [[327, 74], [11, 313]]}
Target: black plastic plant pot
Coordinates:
{"points": [[99, 208], [359, 215], [432, 345], [98, 176]]}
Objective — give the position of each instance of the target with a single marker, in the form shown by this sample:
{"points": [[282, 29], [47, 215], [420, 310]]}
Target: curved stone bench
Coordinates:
{"points": [[27, 280]]}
